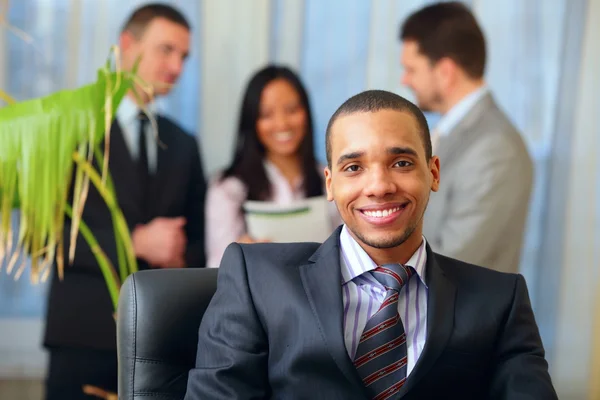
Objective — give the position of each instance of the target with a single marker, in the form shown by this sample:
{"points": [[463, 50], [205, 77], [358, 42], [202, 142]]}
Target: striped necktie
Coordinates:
{"points": [[381, 358]]}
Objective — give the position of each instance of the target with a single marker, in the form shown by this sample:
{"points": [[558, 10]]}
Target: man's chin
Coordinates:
{"points": [[162, 87], [382, 241], [425, 107], [161, 91], [387, 243]]}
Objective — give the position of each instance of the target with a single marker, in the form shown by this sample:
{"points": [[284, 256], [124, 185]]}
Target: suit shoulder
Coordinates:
{"points": [[498, 141], [499, 130], [175, 131], [280, 254], [172, 126], [475, 276]]}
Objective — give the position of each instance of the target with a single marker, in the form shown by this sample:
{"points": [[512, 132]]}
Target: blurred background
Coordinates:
{"points": [[543, 68]]}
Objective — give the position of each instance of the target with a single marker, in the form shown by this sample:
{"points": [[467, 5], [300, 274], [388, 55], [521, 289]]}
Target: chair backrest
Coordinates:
{"points": [[159, 314]]}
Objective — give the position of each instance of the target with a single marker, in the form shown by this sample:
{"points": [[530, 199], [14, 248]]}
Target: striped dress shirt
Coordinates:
{"points": [[362, 295]]}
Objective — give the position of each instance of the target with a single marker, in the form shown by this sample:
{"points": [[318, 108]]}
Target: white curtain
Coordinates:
{"points": [[577, 280], [542, 68]]}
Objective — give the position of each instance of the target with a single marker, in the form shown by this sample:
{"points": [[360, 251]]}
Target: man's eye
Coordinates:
{"points": [[403, 164], [166, 49], [352, 168]]}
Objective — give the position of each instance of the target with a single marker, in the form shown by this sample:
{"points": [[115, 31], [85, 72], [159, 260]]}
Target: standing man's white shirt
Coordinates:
{"points": [[128, 117]]}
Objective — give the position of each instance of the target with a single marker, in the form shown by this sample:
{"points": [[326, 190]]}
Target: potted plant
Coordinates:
{"points": [[44, 142]]}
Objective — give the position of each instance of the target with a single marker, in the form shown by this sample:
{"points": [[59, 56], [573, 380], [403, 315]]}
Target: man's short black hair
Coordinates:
{"points": [[139, 20], [377, 100]]}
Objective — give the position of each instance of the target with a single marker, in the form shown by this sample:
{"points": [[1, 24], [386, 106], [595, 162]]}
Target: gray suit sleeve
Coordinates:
{"points": [[231, 362], [492, 186], [521, 370]]}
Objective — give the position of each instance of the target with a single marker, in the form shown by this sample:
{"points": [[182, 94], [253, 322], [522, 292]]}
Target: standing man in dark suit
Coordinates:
{"points": [[372, 313], [161, 193]]}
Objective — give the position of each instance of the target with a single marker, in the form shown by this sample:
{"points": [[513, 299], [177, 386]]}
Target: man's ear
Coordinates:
{"points": [[446, 71], [434, 169], [126, 40], [327, 173]]}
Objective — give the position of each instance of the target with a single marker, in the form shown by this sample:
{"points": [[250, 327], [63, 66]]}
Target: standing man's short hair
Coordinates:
{"points": [[448, 30], [138, 21]]}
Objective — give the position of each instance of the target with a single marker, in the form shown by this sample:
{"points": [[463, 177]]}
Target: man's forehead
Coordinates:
{"points": [[394, 127], [161, 28], [400, 121]]}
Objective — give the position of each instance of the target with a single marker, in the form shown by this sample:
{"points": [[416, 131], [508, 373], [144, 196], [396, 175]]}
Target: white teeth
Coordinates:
{"points": [[283, 135], [380, 213]]}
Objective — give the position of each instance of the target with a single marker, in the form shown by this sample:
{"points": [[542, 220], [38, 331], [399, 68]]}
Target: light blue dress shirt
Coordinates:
{"points": [[127, 116]]}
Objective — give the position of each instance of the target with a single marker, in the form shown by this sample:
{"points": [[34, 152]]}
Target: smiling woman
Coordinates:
{"points": [[274, 158]]}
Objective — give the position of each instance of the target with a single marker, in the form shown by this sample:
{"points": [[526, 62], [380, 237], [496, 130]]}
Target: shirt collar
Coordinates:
{"points": [[128, 110], [449, 120], [355, 261]]}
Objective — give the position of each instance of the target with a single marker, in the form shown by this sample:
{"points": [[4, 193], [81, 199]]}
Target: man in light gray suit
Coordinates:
{"points": [[480, 211]]}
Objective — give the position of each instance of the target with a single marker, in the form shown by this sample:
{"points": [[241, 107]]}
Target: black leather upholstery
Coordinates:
{"points": [[159, 314]]}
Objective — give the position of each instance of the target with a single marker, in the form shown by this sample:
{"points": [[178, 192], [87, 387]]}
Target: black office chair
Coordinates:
{"points": [[157, 330]]}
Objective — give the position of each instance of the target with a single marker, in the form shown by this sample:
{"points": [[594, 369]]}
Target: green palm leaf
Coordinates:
{"points": [[41, 141]]}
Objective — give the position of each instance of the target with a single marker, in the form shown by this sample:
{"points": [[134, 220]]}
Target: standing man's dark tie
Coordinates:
{"points": [[381, 358], [144, 176]]}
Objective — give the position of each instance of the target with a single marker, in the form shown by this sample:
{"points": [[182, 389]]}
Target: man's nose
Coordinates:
{"points": [[404, 79], [380, 183], [176, 65]]}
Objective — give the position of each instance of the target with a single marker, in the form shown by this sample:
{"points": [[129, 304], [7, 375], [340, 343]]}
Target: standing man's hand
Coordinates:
{"points": [[162, 242]]}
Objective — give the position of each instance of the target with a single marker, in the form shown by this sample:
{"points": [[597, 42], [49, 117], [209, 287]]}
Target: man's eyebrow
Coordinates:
{"points": [[402, 150], [350, 156], [391, 150]]}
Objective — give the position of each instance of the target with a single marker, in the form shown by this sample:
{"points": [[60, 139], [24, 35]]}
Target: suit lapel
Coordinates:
{"points": [[164, 163], [322, 283], [123, 172], [440, 319], [450, 145], [321, 279]]}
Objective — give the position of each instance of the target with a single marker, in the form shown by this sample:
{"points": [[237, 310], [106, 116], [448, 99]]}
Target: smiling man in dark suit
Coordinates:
{"points": [[161, 193], [372, 313]]}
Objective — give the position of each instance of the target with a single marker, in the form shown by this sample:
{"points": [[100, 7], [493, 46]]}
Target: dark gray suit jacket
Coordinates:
{"points": [[274, 330]]}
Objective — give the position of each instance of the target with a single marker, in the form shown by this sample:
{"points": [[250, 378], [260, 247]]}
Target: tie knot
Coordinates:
{"points": [[393, 276], [143, 118]]}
